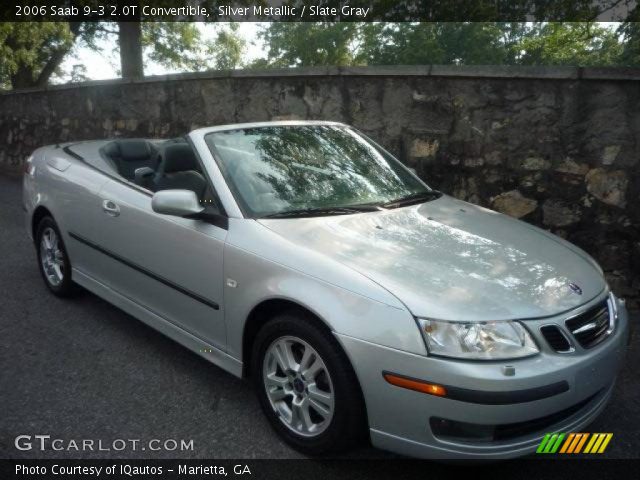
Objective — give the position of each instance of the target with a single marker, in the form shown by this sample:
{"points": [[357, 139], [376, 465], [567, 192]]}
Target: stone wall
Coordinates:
{"points": [[557, 147]]}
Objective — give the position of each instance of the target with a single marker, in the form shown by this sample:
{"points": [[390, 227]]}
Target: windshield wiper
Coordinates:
{"points": [[413, 198], [323, 211]]}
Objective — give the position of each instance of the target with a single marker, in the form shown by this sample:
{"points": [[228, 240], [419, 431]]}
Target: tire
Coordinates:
{"points": [[330, 411], [53, 260]]}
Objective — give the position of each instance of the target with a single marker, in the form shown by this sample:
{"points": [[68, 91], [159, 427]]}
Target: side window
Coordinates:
{"points": [[133, 159]]}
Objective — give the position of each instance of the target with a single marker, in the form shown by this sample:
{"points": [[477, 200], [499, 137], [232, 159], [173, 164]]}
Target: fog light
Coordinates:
{"points": [[452, 430]]}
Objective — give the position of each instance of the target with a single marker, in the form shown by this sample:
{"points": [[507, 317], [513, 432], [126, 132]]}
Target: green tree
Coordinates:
{"points": [[302, 44], [30, 53], [228, 47], [460, 43], [181, 46], [78, 73], [433, 43], [630, 31], [176, 46], [582, 44], [630, 56]]}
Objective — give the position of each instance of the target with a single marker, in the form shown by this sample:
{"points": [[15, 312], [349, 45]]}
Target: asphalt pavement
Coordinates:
{"points": [[82, 369]]}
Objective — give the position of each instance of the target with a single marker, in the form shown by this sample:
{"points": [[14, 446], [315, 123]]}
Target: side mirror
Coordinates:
{"points": [[181, 203]]}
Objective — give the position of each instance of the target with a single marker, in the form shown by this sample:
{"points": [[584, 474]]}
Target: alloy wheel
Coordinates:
{"points": [[298, 386], [51, 257]]}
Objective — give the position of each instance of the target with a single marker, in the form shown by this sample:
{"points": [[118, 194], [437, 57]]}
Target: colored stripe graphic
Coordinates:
{"points": [[573, 443], [556, 445], [568, 442], [543, 443], [550, 443], [593, 439], [581, 443], [607, 439], [598, 443]]}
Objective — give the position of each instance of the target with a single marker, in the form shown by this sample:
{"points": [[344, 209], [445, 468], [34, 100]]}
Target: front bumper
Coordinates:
{"points": [[400, 419]]}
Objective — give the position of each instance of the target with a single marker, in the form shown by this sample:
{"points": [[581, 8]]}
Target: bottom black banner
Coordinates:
{"points": [[314, 469]]}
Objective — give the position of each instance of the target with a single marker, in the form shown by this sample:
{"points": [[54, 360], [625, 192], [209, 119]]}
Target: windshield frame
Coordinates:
{"points": [[237, 196]]}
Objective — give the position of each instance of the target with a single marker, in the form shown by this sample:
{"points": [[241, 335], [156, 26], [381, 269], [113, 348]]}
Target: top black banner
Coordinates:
{"points": [[320, 10]]}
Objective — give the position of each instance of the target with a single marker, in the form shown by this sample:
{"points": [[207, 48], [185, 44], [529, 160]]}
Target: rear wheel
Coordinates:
{"points": [[306, 385], [53, 259]]}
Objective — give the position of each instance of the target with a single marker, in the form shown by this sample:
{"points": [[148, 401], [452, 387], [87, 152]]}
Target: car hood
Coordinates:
{"points": [[447, 259]]}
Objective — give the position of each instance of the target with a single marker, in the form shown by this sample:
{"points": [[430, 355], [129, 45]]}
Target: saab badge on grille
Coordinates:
{"points": [[575, 288]]}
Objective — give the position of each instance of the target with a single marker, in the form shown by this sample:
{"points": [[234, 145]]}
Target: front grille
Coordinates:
{"points": [[590, 328], [555, 338]]}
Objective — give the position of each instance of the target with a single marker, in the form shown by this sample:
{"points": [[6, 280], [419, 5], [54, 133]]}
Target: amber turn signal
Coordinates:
{"points": [[416, 385]]}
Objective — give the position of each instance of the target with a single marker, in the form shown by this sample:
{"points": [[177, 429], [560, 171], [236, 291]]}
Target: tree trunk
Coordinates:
{"points": [[22, 78], [130, 39]]}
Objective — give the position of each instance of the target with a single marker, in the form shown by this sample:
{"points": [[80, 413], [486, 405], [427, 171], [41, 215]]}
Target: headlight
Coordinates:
{"points": [[478, 340]]}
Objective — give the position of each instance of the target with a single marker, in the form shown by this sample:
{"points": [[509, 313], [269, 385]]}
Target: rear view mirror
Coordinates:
{"points": [[181, 203]]}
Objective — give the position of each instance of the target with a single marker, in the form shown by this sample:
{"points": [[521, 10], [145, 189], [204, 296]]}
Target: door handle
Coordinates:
{"points": [[110, 208]]}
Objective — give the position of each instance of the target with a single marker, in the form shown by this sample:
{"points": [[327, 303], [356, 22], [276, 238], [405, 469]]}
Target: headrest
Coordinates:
{"points": [[111, 150], [134, 149], [179, 157]]}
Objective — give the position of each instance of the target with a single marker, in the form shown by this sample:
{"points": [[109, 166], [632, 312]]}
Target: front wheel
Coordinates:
{"points": [[306, 385]]}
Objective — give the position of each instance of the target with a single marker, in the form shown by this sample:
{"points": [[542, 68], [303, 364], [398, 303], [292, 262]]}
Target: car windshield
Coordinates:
{"points": [[310, 169]]}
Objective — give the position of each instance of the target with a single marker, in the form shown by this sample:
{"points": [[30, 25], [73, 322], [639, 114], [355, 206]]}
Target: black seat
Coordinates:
{"points": [[179, 169], [131, 154]]}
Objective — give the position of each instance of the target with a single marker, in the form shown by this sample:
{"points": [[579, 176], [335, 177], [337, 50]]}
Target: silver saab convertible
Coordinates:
{"points": [[361, 302]]}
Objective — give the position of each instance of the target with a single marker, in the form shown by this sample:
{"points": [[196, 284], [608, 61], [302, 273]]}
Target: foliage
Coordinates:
{"points": [[31, 53], [78, 73], [583, 44], [176, 46], [631, 50], [309, 44], [181, 46], [630, 32], [27, 48], [432, 43], [227, 48], [463, 43]]}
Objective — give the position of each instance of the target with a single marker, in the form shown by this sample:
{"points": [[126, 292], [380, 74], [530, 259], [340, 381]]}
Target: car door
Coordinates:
{"points": [[71, 192], [170, 265]]}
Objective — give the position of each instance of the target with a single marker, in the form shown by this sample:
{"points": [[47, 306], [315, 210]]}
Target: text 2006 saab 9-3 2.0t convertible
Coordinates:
{"points": [[359, 300]]}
